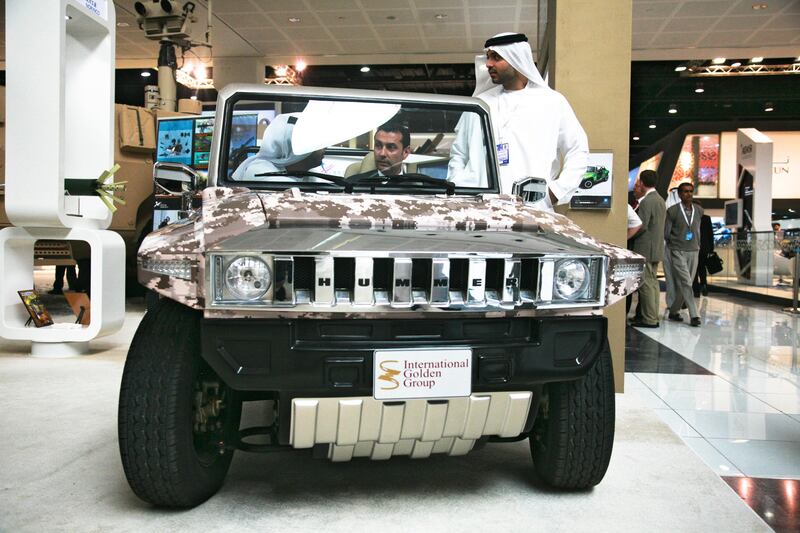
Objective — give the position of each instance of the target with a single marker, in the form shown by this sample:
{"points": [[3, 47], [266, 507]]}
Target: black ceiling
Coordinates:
{"points": [[655, 86]]}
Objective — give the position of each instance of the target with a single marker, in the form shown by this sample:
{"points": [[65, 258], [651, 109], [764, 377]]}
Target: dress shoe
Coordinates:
{"points": [[55, 291], [695, 323], [704, 290], [675, 317], [640, 324]]}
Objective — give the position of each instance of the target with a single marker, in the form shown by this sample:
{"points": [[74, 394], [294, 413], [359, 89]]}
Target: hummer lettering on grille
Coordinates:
{"points": [[363, 282], [402, 282], [440, 282], [324, 282]]}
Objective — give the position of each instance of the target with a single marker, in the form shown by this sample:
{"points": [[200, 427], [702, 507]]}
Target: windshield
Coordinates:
{"points": [[280, 141]]}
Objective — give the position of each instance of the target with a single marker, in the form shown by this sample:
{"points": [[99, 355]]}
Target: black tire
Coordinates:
{"points": [[151, 299], [573, 435], [588, 184], [169, 459]]}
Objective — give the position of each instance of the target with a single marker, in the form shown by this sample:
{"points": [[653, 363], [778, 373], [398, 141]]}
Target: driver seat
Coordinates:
{"points": [[365, 165]]}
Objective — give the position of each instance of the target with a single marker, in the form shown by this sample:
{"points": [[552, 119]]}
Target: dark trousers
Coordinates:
{"points": [[701, 274], [72, 279], [85, 276]]}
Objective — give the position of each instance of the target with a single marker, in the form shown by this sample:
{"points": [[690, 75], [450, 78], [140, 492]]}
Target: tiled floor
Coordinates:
{"points": [[731, 391], [61, 471]]}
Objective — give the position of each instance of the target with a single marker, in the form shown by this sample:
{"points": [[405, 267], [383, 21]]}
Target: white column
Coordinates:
{"points": [[237, 70], [60, 124]]}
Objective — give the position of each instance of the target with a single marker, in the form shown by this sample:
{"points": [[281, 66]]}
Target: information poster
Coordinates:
{"points": [[595, 188]]}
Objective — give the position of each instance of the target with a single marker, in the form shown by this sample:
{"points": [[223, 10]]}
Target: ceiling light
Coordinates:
{"points": [[440, 16], [193, 97], [699, 88], [365, 69], [635, 137], [758, 7], [672, 109], [281, 71], [736, 64], [757, 60], [680, 68], [187, 68], [145, 73], [652, 125], [768, 107], [294, 20], [300, 65], [200, 72], [718, 60]]}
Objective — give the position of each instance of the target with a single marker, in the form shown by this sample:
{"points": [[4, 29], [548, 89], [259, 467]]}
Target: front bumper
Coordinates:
{"points": [[317, 359], [333, 358]]}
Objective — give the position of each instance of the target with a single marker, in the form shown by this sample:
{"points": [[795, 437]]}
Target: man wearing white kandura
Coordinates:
{"points": [[535, 130]]}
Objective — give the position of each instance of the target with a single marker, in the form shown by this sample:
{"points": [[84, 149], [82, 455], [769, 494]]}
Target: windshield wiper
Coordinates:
{"points": [[413, 179], [346, 185]]}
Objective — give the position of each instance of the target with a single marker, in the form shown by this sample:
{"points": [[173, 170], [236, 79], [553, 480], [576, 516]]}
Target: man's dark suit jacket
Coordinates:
{"points": [[650, 243]]}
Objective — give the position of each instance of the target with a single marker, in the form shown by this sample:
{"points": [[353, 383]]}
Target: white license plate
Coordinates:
{"points": [[422, 373]]}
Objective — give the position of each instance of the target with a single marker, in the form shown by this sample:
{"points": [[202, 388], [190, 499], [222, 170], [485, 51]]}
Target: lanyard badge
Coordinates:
{"points": [[502, 153], [689, 233]]}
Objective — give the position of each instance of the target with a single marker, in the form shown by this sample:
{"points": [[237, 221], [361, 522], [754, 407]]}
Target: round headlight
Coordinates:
{"points": [[248, 278], [572, 279]]}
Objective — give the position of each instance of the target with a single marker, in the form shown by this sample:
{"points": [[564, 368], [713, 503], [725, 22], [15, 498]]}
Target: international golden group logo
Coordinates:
{"points": [[388, 375]]}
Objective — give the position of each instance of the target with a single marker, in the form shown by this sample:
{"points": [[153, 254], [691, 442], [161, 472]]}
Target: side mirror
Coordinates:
{"points": [[530, 189], [176, 180]]}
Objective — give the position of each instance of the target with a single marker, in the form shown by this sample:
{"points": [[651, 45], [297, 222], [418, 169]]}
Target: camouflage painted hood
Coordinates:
{"points": [[230, 212]]}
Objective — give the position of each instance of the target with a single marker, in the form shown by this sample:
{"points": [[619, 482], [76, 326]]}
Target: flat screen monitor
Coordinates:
{"points": [[244, 131], [435, 169], [733, 213], [175, 140], [187, 140]]}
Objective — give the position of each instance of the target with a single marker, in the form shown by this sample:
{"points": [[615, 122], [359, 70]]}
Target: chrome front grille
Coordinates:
{"points": [[394, 283]]}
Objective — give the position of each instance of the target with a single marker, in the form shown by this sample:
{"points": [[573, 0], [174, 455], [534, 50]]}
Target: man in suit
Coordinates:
{"points": [[682, 231], [650, 244], [392, 147]]}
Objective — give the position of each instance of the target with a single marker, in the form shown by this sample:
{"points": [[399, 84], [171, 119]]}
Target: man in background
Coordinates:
{"points": [[682, 232], [650, 244]]}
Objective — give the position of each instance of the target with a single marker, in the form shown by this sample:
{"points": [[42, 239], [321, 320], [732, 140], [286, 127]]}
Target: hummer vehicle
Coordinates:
{"points": [[371, 316], [593, 176]]}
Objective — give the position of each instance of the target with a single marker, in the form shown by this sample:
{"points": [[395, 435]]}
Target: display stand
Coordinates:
{"points": [[754, 239], [60, 125]]}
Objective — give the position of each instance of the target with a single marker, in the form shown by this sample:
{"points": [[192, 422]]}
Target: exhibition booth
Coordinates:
{"points": [[727, 183]]}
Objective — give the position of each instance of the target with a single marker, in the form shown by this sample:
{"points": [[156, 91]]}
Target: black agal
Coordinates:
{"points": [[506, 39]]}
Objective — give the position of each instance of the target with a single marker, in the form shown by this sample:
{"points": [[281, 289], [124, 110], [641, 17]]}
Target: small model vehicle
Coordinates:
{"points": [[417, 314], [593, 176]]}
